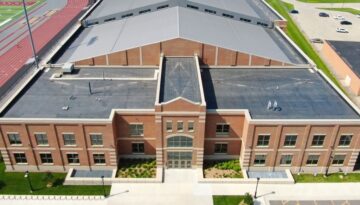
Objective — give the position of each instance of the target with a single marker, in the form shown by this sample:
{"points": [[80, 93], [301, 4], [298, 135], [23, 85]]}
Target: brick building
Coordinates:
{"points": [[182, 82]]}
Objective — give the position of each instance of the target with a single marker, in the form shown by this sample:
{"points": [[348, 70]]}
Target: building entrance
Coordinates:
{"points": [[180, 160]]}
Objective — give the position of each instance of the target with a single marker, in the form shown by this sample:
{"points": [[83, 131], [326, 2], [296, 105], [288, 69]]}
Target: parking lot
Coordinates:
{"points": [[334, 202], [325, 27]]}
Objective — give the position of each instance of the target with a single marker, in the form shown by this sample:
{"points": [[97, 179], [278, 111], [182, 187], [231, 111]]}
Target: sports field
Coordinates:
{"points": [[10, 10]]}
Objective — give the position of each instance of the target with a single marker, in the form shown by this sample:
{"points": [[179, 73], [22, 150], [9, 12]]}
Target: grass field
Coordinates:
{"points": [[336, 177], [232, 200], [14, 12], [331, 1], [16, 184], [348, 10], [298, 37]]}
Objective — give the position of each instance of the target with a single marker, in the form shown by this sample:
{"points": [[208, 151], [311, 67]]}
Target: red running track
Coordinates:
{"points": [[14, 59]]}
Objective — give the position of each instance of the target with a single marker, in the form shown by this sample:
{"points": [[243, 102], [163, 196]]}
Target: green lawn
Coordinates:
{"points": [[15, 12], [232, 200], [289, 6], [16, 183], [331, 1], [348, 10], [336, 177], [296, 35]]}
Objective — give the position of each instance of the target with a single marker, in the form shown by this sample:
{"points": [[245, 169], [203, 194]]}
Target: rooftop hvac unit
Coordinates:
{"points": [[68, 68]]}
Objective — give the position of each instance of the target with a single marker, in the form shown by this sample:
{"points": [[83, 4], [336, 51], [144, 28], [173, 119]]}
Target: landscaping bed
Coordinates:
{"points": [[14, 183], [222, 169], [136, 168], [320, 178]]}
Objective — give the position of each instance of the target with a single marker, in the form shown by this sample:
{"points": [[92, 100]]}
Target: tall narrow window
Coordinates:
{"points": [[169, 126], [180, 126], [41, 139], [14, 138], [136, 129], [191, 127]]}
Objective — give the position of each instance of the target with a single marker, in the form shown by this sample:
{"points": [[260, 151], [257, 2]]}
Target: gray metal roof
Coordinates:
{"points": [[178, 22], [179, 79], [45, 98], [299, 93], [108, 7], [349, 51]]}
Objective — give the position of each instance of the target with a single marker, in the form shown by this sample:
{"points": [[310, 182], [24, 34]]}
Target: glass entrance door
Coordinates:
{"points": [[179, 160]]}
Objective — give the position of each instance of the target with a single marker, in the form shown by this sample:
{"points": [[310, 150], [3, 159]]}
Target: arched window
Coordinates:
{"points": [[179, 141]]}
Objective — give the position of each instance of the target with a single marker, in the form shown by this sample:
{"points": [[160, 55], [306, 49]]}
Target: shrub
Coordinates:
{"points": [[1, 158], [248, 199]]}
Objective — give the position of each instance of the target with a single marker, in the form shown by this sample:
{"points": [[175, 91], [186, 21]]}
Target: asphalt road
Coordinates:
{"points": [[15, 30]]}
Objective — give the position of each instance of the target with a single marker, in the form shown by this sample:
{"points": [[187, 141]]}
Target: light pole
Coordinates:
{"points": [[103, 185], [30, 34], [27, 176], [257, 183]]}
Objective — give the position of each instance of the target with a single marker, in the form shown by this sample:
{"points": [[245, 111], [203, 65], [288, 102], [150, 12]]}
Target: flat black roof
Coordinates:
{"points": [[299, 93], [130, 88], [349, 51], [179, 79]]}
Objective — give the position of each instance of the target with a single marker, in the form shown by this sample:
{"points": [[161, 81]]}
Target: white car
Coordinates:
{"points": [[338, 17], [342, 30]]}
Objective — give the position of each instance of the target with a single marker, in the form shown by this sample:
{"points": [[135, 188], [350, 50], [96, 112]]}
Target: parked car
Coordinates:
{"points": [[338, 17], [323, 14], [294, 11], [345, 23], [342, 30], [316, 40]]}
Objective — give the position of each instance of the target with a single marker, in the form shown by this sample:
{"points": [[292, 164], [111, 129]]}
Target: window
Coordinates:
{"points": [[191, 126], [138, 148], [162, 7], [312, 160], [221, 148], [180, 141], [338, 159], [210, 11], [46, 158], [245, 20], [169, 126], [41, 139], [180, 126], [96, 139], [69, 139], [127, 15], [136, 129], [318, 140], [192, 7], [345, 140], [73, 158], [263, 140], [286, 159], [20, 158], [110, 19], [290, 140], [262, 24], [14, 138], [99, 158], [144, 11], [228, 15], [222, 129], [260, 159]]}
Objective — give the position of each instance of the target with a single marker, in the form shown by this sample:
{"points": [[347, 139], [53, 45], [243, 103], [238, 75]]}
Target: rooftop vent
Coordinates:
{"points": [[68, 68], [65, 108]]}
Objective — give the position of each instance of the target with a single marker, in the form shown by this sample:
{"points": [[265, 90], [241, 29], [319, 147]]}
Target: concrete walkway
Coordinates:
{"points": [[181, 187]]}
